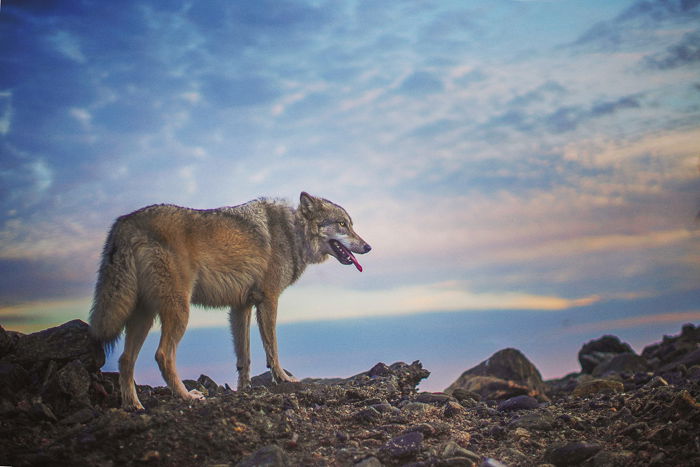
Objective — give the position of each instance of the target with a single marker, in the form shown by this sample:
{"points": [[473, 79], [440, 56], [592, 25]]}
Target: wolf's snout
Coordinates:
{"points": [[366, 248]]}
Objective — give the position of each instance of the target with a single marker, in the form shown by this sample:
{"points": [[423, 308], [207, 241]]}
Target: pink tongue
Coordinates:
{"points": [[354, 261]]}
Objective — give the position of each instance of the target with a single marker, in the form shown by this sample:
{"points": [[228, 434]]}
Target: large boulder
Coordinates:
{"points": [[598, 351], [61, 344], [507, 373]]}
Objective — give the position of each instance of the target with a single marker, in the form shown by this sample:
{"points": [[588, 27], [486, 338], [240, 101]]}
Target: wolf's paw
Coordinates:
{"points": [[195, 395], [132, 406], [283, 377]]}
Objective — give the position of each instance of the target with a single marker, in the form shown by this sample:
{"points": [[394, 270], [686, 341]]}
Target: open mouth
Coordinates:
{"points": [[344, 255]]}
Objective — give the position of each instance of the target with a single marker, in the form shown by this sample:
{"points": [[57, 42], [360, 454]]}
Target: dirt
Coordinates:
{"points": [[66, 413]]}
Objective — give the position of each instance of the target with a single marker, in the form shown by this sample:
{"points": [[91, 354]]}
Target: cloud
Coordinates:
{"points": [[684, 53], [641, 23], [635, 321], [312, 302], [421, 83]]}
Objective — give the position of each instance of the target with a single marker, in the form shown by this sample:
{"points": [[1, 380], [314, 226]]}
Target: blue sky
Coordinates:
{"points": [[498, 155]]}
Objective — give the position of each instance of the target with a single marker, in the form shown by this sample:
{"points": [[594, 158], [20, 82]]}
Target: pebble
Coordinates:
{"points": [[656, 382], [597, 386], [492, 463], [451, 449], [406, 445], [433, 397], [269, 456], [417, 407], [452, 409], [534, 421], [369, 462], [572, 453], [462, 394], [518, 403]]}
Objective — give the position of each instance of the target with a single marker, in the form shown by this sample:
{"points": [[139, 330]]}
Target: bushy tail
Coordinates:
{"points": [[116, 289]]}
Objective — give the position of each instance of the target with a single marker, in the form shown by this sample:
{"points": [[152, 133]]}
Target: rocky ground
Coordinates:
{"points": [[57, 408]]}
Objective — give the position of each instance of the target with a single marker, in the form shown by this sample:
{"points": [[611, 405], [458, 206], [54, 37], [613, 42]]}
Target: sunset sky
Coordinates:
{"points": [[534, 156]]}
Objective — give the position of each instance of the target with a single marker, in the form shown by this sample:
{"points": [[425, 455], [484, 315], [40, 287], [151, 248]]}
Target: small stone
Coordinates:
{"points": [[611, 459], [41, 411], [269, 456], [597, 386], [403, 446], [685, 403], [452, 409], [74, 380], [534, 421], [380, 369], [463, 395], [489, 462], [150, 456], [417, 407], [518, 403], [369, 462], [427, 429], [366, 415], [452, 449], [210, 385], [433, 397], [572, 453], [83, 415]]}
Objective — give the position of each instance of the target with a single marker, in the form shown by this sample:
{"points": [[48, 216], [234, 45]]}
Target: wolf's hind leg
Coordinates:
{"points": [[137, 327], [240, 329], [267, 319], [174, 314]]}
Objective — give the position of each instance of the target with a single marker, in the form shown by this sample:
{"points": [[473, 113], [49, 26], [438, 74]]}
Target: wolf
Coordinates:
{"points": [[158, 260]]}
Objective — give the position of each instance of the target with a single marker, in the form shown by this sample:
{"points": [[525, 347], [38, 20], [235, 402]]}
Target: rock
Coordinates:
{"points": [[83, 415], [462, 394], [403, 446], [489, 462], [505, 374], [62, 344], [380, 369], [624, 362], [367, 415], [210, 385], [269, 456], [369, 462], [656, 382], [600, 350], [13, 377], [573, 453], [41, 411], [8, 340], [611, 459], [265, 379], [452, 409], [434, 397], [595, 386], [534, 421], [518, 403], [74, 380], [417, 407], [451, 450]]}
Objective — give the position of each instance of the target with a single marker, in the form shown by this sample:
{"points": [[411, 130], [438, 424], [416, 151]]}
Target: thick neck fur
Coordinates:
{"points": [[311, 243]]}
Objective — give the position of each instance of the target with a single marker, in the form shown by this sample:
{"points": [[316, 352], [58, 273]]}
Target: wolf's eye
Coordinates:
{"points": [[342, 224]]}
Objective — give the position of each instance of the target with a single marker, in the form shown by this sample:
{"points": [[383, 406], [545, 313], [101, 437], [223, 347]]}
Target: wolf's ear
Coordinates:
{"points": [[306, 204]]}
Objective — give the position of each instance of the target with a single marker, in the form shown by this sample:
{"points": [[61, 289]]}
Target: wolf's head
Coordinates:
{"points": [[330, 229]]}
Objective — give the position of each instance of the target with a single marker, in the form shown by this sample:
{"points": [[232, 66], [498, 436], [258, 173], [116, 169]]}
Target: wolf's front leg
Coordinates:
{"points": [[240, 330], [267, 321]]}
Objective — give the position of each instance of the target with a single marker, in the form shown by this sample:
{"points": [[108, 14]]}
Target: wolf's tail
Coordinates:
{"points": [[116, 289]]}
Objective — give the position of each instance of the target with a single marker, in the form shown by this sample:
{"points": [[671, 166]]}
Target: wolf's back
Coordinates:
{"points": [[116, 289]]}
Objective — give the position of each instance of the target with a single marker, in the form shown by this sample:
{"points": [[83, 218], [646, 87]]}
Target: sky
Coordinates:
{"points": [[499, 155]]}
